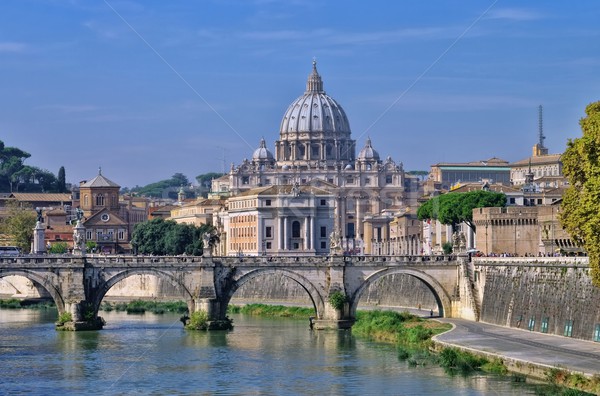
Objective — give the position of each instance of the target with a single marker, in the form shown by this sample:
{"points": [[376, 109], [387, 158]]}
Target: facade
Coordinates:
{"points": [[109, 220], [493, 170], [315, 148], [280, 220], [198, 212]]}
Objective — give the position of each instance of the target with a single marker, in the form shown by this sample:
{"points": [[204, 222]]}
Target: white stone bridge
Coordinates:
{"points": [[79, 283]]}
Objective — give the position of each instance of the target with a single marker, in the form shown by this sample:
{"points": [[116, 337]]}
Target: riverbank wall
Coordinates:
{"points": [[549, 295]]}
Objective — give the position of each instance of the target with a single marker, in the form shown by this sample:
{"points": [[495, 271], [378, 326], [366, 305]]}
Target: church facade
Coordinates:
{"points": [[315, 148]]}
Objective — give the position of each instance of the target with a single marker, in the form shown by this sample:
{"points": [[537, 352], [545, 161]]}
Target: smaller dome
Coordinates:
{"points": [[348, 167], [368, 153], [262, 153]]}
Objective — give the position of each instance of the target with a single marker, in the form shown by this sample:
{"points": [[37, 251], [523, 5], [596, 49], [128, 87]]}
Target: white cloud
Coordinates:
{"points": [[8, 46], [514, 14]]}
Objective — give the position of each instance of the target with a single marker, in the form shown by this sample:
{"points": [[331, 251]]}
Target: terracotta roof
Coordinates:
{"points": [[494, 161], [42, 197], [100, 181], [538, 160]]}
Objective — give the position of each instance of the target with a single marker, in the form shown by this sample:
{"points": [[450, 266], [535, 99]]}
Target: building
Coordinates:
{"points": [[109, 220], [280, 220], [315, 145], [447, 174]]}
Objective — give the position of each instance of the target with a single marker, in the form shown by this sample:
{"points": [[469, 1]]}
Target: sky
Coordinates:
{"points": [[146, 89]]}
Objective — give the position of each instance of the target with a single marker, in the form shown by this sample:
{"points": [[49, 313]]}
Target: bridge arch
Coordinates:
{"points": [[105, 286], [304, 283], [439, 293], [43, 279]]}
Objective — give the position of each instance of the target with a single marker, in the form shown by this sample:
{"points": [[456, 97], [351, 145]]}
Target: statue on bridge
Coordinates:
{"points": [[335, 242]]}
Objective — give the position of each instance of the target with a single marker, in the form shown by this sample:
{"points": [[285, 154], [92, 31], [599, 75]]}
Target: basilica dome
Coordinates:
{"points": [[368, 153], [315, 111], [262, 153]]}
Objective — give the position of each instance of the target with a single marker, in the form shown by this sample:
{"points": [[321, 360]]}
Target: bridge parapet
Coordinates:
{"points": [[575, 262]]}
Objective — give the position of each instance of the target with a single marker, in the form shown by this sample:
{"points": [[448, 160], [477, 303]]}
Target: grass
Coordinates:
{"points": [[14, 303], [278, 311], [141, 306]]}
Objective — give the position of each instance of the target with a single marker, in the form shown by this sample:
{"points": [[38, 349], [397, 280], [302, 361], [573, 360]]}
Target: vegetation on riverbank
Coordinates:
{"points": [[278, 311], [14, 303], [141, 306]]}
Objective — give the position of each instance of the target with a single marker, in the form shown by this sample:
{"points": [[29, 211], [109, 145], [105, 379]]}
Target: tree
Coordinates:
{"points": [[19, 224], [59, 248], [61, 182], [455, 208], [580, 208], [205, 179], [11, 161], [166, 237]]}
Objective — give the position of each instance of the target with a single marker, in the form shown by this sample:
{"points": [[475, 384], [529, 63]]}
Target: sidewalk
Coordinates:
{"points": [[524, 346]]}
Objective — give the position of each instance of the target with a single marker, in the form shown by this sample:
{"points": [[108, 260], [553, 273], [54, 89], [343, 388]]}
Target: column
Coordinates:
{"points": [[306, 246], [312, 233], [280, 233], [285, 234], [359, 229]]}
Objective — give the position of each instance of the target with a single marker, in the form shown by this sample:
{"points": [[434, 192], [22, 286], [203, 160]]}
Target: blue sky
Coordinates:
{"points": [[149, 88]]}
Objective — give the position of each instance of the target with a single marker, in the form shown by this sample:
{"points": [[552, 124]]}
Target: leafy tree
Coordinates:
{"points": [[580, 209], [163, 188], [455, 208], [61, 182], [19, 224], [11, 161], [166, 237], [59, 248], [205, 179]]}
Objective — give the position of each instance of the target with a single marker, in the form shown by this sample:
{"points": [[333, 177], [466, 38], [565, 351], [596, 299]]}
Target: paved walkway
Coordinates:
{"points": [[527, 346]]}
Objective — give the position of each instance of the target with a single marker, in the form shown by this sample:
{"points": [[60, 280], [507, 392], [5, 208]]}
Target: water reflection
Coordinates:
{"points": [[153, 354]]}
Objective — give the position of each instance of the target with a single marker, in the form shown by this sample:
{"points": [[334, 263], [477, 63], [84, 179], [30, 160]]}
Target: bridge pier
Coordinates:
{"points": [[216, 312], [334, 319], [83, 317]]}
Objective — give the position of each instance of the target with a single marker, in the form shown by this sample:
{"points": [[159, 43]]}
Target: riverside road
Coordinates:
{"points": [[524, 345]]}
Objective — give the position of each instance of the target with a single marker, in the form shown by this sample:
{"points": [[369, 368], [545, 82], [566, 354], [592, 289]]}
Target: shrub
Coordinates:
{"points": [[197, 321], [64, 318], [337, 299], [455, 359]]}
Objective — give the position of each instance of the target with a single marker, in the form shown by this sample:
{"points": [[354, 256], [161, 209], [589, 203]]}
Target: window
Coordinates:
{"points": [[323, 245], [100, 200], [323, 202], [544, 327], [512, 201], [267, 202], [323, 232], [121, 234], [388, 179], [88, 235], [269, 232], [349, 180], [531, 324], [268, 245], [85, 200], [367, 180], [99, 235], [568, 328], [597, 333], [296, 229], [245, 180]]}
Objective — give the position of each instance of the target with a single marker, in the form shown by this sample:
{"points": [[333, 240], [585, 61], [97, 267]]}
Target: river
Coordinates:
{"points": [[153, 354]]}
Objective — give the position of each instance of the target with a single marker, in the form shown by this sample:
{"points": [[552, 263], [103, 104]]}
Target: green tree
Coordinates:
{"points": [[455, 208], [580, 208], [61, 182], [11, 161], [59, 248], [19, 224], [166, 237], [205, 179]]}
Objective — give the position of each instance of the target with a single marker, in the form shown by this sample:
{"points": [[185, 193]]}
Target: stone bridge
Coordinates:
{"points": [[79, 283]]}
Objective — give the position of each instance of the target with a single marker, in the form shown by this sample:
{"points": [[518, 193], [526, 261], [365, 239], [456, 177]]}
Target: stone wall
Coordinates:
{"points": [[546, 295]]}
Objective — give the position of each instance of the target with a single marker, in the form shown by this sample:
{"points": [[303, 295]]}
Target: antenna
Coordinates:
{"points": [[541, 127]]}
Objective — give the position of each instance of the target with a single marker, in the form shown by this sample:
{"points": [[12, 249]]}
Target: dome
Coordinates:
{"points": [[368, 153], [315, 111], [262, 153]]}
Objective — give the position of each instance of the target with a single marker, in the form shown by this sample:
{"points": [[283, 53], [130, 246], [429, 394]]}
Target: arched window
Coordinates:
{"points": [[85, 200], [100, 200], [296, 229]]}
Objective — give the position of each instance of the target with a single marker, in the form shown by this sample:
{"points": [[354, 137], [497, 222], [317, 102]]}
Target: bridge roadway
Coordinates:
{"points": [[79, 283]]}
